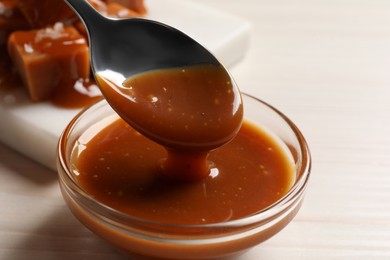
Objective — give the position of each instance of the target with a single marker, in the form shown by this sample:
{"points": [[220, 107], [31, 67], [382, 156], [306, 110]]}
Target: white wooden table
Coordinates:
{"points": [[326, 64]]}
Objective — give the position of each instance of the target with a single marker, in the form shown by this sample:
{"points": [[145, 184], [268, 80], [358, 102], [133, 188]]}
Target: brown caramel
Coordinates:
{"points": [[49, 59], [121, 169], [189, 110], [49, 65]]}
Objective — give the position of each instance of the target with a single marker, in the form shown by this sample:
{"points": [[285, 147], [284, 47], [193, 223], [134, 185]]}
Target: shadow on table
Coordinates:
{"points": [[61, 237]]}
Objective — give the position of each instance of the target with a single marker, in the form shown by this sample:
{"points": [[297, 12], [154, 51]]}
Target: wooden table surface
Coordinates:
{"points": [[324, 63]]}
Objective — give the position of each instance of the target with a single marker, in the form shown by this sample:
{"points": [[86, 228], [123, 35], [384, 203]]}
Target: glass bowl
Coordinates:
{"points": [[170, 241]]}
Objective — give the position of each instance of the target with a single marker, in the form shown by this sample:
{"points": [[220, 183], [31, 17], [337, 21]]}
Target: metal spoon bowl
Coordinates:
{"points": [[123, 48], [135, 45]]}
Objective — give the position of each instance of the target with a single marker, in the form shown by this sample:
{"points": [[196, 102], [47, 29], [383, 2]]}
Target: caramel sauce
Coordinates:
{"points": [[120, 168], [189, 110], [83, 92]]}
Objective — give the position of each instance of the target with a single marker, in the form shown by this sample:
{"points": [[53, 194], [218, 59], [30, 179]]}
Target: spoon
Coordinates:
{"points": [[132, 46], [124, 48]]}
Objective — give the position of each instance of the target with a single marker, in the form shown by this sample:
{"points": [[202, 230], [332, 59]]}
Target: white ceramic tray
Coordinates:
{"points": [[34, 129]]}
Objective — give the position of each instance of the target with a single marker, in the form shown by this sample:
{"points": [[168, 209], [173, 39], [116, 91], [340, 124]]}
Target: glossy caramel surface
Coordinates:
{"points": [[122, 169]]}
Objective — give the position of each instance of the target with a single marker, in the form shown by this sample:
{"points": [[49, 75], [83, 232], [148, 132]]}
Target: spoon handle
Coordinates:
{"points": [[90, 17]]}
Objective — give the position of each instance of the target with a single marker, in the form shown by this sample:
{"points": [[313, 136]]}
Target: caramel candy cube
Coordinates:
{"points": [[113, 10], [11, 19], [49, 58], [42, 13], [135, 5], [119, 11]]}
